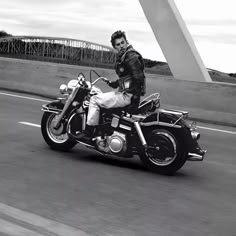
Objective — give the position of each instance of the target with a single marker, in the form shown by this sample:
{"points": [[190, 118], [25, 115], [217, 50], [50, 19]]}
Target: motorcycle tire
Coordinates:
{"points": [[164, 154], [57, 139]]}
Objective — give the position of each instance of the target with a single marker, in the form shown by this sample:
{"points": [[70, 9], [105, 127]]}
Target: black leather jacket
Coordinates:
{"points": [[130, 69]]}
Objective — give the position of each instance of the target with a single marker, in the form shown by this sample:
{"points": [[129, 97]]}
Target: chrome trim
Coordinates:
{"points": [[130, 119], [168, 159], [88, 145], [84, 120], [175, 112], [72, 84], [140, 133], [51, 110], [67, 104], [195, 156], [193, 126], [181, 114], [96, 80], [124, 127], [147, 99], [117, 142], [63, 88], [65, 96], [160, 123], [55, 135], [195, 135], [139, 117], [115, 122]]}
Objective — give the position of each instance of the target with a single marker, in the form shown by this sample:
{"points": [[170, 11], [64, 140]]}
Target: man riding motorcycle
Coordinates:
{"points": [[131, 83], [131, 86]]}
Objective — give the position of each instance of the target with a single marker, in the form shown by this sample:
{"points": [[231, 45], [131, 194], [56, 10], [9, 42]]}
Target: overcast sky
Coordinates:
{"points": [[212, 24]]}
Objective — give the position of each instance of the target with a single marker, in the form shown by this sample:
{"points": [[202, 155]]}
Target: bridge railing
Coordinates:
{"points": [[57, 49]]}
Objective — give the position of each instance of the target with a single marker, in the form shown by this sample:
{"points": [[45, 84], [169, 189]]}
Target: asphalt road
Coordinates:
{"points": [[44, 192]]}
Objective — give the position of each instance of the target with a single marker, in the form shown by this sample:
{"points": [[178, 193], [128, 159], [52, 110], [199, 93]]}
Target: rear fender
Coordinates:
{"points": [[167, 121]]}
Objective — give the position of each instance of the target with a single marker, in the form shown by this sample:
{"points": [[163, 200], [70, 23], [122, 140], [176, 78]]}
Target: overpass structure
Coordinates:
{"points": [[175, 40], [168, 27], [57, 49]]}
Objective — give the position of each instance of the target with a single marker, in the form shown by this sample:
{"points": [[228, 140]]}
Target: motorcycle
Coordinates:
{"points": [[162, 138]]}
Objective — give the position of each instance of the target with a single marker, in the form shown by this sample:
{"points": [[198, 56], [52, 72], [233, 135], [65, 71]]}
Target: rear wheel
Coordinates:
{"points": [[55, 138], [164, 153]]}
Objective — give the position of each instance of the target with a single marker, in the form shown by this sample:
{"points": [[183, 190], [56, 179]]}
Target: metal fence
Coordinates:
{"points": [[57, 49]]}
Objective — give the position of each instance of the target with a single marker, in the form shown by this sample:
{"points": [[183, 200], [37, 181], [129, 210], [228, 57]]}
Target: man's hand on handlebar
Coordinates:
{"points": [[112, 84]]}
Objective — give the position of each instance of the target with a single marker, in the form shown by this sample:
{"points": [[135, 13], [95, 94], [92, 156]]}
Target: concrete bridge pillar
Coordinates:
{"points": [[175, 40]]}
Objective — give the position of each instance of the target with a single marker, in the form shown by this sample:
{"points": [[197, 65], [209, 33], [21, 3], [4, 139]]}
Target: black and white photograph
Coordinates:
{"points": [[117, 118]]}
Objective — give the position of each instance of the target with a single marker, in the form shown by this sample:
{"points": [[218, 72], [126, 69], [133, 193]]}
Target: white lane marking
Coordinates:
{"points": [[36, 99], [18, 96], [200, 127], [30, 124], [38, 221], [16, 230], [218, 130]]}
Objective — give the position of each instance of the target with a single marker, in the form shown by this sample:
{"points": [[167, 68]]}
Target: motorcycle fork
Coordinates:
{"points": [[67, 104]]}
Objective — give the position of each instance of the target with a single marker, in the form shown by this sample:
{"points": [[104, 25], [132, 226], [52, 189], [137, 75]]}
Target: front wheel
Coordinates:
{"points": [[164, 154], [56, 138]]}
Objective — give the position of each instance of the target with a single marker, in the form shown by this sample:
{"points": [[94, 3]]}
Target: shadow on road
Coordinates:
{"points": [[88, 155]]}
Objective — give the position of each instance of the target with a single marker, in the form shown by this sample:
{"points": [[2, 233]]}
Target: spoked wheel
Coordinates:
{"points": [[163, 154], [56, 138]]}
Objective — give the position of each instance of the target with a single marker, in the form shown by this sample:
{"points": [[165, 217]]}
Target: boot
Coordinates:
{"points": [[87, 134]]}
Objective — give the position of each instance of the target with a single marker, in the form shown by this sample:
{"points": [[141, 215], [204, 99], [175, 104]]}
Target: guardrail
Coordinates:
{"points": [[57, 48], [205, 101]]}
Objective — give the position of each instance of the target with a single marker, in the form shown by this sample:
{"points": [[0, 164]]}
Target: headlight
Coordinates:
{"points": [[72, 84], [63, 89], [67, 89]]}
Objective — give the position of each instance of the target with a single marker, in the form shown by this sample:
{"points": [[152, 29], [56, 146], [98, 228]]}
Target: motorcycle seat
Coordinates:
{"points": [[131, 109]]}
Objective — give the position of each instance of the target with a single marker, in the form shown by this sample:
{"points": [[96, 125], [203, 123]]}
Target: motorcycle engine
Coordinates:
{"points": [[115, 144]]}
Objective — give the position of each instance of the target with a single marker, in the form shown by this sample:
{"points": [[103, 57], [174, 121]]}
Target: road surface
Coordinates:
{"points": [[45, 192]]}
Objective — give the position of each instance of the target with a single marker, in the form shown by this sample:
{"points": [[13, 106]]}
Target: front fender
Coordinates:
{"points": [[55, 106]]}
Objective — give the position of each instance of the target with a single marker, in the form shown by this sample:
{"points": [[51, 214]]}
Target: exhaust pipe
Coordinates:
{"points": [[195, 156]]}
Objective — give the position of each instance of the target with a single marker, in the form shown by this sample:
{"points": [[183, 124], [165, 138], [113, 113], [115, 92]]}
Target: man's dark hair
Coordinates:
{"points": [[117, 35]]}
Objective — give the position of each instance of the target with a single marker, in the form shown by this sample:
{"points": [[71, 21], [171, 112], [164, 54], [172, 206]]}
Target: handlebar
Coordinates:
{"points": [[82, 80], [99, 78]]}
